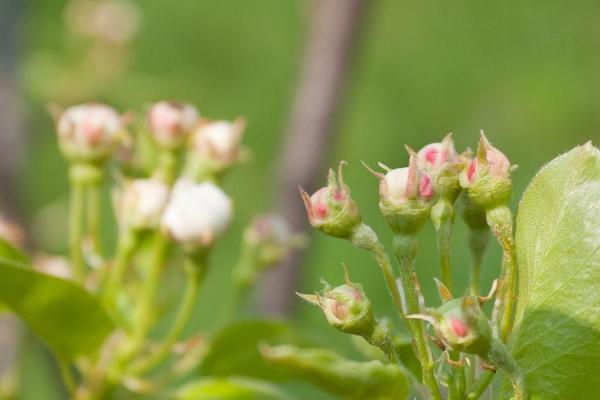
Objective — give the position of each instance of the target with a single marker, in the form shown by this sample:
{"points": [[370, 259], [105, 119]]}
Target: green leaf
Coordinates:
{"points": [[234, 350], [9, 252], [68, 318], [557, 328], [354, 380], [230, 389]]}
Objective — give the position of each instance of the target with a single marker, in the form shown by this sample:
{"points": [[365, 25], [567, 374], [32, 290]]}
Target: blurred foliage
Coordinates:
{"points": [[525, 71]]}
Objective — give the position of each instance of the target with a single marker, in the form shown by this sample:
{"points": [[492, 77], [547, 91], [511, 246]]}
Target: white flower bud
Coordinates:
{"points": [[197, 214], [89, 132], [170, 122], [141, 204], [215, 147]]}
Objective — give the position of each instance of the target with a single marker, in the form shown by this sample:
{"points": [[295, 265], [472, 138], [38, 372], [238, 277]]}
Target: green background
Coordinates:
{"points": [[527, 72]]}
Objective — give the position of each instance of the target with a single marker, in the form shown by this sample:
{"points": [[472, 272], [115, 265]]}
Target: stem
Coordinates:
{"points": [[501, 222], [365, 238], [405, 250], [442, 214], [501, 358], [66, 375], [94, 216], [146, 305], [195, 271], [478, 241], [76, 230], [482, 385], [126, 247]]}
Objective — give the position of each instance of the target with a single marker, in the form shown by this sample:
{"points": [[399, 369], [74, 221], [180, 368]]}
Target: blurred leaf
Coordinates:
{"points": [[10, 252], [557, 337], [68, 318], [230, 389], [367, 380], [234, 350]]}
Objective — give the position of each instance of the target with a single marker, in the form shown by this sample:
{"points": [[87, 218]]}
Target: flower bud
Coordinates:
{"points": [[461, 325], [434, 156], [331, 209], [487, 176], [215, 147], [443, 165], [197, 214], [141, 203], [346, 307], [267, 242], [405, 196], [89, 132], [170, 122]]}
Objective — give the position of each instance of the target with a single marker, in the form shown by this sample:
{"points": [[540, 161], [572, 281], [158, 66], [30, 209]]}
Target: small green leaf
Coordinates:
{"points": [[234, 350], [557, 329], [68, 318], [230, 389], [10, 252]]}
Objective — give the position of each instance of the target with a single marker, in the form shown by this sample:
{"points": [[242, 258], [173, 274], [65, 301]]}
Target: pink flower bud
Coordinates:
{"points": [[434, 156], [89, 132], [141, 204], [402, 184], [346, 307], [197, 214], [331, 209], [487, 176], [170, 122], [489, 160]]}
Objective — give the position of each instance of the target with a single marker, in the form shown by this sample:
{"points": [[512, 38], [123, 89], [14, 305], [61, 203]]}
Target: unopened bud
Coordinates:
{"points": [[267, 242], [405, 196], [171, 122], [215, 147], [89, 132], [443, 165], [331, 209], [141, 203], [197, 214], [461, 325], [346, 307], [487, 176]]}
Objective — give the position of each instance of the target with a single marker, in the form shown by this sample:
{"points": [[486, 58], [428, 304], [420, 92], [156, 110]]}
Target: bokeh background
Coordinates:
{"points": [[527, 72]]}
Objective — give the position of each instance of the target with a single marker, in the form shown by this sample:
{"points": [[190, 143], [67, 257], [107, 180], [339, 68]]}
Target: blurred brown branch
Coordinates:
{"points": [[334, 26]]}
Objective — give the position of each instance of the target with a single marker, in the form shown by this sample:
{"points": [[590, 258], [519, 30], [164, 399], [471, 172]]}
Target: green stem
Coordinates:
{"points": [[66, 375], [501, 222], [144, 314], [365, 237], [405, 250], [126, 248], [500, 357], [195, 271], [482, 385], [76, 230], [94, 216], [478, 241], [442, 214]]}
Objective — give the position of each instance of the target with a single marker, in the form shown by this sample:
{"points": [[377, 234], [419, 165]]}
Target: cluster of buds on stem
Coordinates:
{"points": [[331, 209]]}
